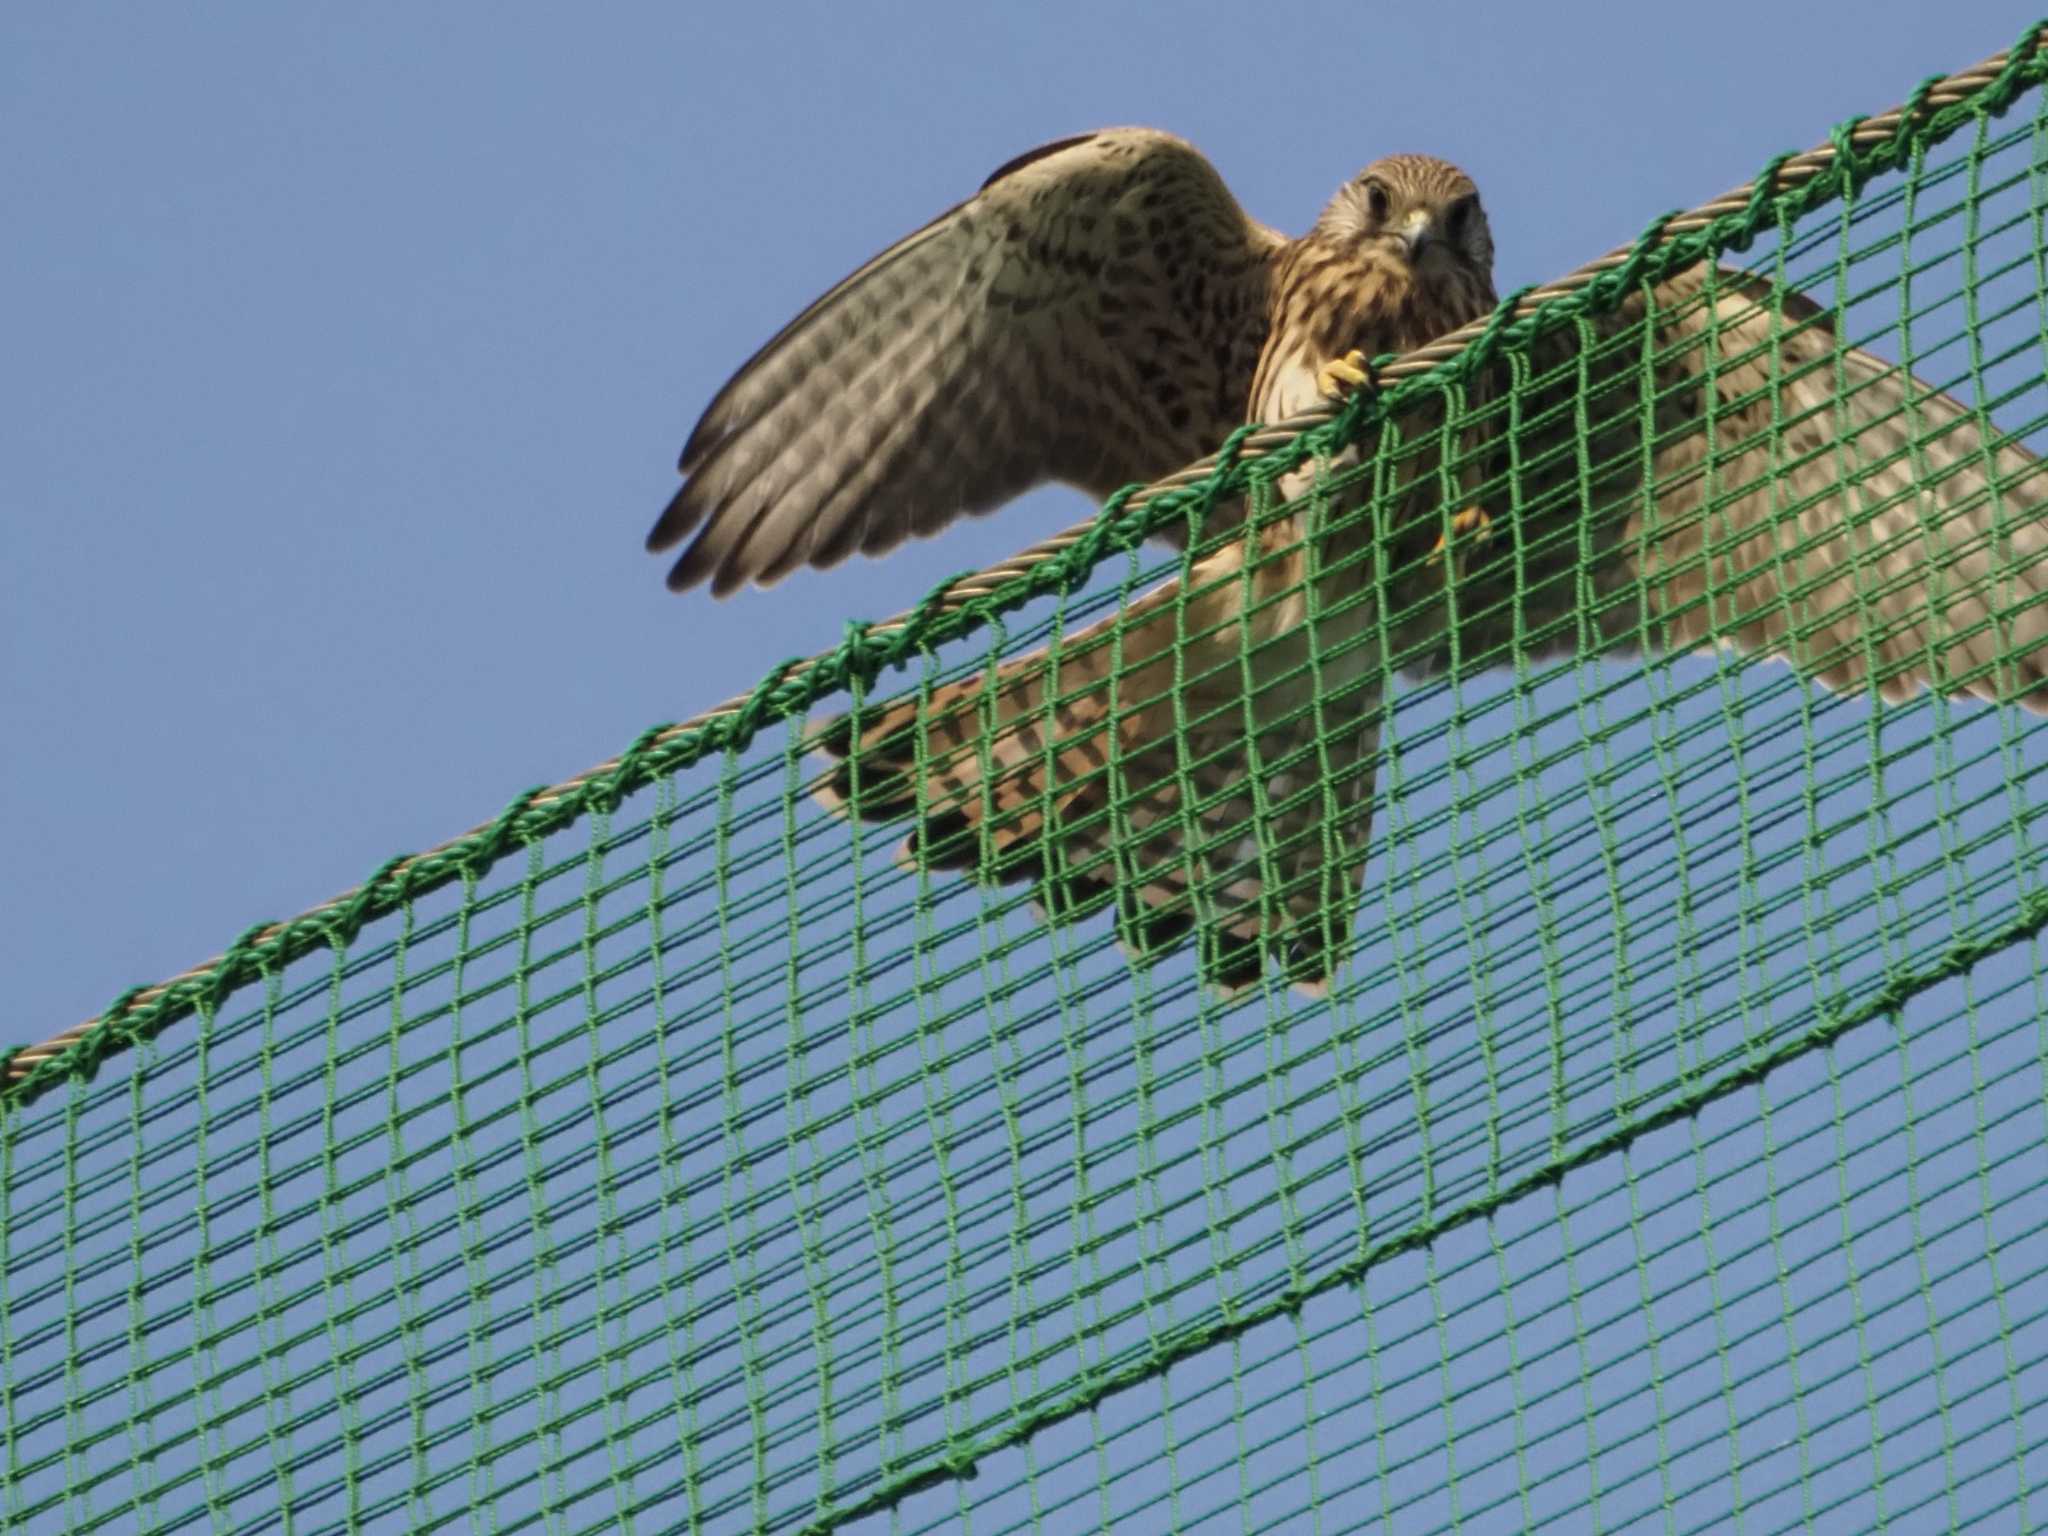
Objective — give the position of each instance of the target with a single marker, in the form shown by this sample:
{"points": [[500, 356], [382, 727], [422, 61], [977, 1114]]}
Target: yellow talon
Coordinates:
{"points": [[1466, 520], [1340, 375]]}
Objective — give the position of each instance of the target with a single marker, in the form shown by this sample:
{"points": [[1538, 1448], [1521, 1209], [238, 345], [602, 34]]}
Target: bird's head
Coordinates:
{"points": [[1422, 210]]}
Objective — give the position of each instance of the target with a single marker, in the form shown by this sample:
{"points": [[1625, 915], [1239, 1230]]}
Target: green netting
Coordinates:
{"points": [[1665, 1156]]}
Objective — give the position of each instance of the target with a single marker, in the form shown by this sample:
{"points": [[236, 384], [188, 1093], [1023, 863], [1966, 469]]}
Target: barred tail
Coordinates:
{"points": [[1118, 776]]}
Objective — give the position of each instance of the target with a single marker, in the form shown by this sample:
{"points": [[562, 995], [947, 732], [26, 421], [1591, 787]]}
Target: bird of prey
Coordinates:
{"points": [[1706, 465]]}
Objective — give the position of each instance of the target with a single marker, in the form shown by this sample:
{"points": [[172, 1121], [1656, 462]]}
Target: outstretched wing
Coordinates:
{"points": [[1093, 315], [1804, 499]]}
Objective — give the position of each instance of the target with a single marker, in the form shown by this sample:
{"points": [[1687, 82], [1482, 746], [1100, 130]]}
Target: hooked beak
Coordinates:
{"points": [[1416, 231]]}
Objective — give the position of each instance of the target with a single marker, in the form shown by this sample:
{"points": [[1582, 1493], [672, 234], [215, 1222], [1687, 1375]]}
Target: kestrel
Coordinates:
{"points": [[1201, 764]]}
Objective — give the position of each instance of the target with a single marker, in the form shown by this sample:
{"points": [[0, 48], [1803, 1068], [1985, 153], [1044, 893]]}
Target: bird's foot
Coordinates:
{"points": [[1470, 524], [1341, 375]]}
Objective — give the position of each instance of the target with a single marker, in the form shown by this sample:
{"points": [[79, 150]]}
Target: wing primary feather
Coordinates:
{"points": [[707, 430], [916, 390], [748, 507], [928, 496], [714, 424]]}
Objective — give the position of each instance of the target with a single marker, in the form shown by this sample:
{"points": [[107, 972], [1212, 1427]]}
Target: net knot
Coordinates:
{"points": [[1913, 111], [1607, 289], [2022, 61], [1483, 347], [857, 651], [900, 642], [340, 924], [490, 844], [1101, 537], [1851, 169], [764, 704], [243, 957], [1202, 500], [603, 792], [869, 653], [83, 1057], [1759, 210]]}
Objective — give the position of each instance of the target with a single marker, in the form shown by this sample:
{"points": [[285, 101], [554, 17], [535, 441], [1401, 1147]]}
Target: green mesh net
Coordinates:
{"points": [[1665, 1154]]}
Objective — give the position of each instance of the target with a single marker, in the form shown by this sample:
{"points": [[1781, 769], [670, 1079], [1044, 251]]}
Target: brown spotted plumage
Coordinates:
{"points": [[1201, 765]]}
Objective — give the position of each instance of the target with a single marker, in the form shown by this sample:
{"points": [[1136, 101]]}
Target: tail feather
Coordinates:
{"points": [[1117, 777]]}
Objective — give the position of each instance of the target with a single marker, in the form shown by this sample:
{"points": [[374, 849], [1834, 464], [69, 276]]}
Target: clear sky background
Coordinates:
{"points": [[348, 350], [344, 358]]}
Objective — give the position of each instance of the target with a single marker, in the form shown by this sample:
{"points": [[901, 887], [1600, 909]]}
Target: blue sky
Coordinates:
{"points": [[351, 353]]}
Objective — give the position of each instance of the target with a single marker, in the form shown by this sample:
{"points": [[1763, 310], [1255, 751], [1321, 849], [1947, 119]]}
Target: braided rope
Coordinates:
{"points": [[1787, 187]]}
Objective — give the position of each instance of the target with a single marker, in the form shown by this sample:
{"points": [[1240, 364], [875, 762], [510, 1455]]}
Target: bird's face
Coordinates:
{"points": [[1422, 211]]}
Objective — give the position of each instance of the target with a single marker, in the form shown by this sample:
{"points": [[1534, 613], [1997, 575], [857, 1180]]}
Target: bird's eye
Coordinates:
{"points": [[1376, 201], [1460, 215]]}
